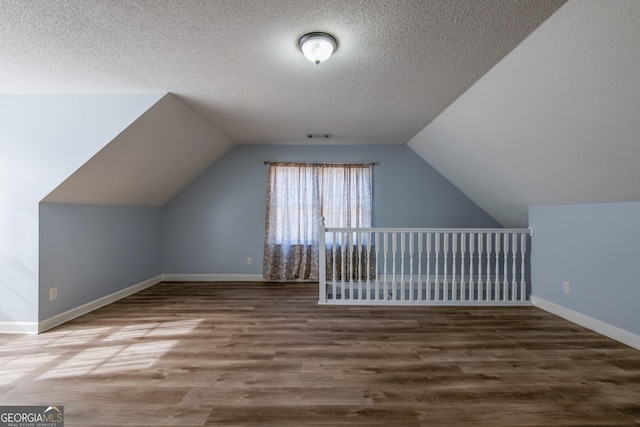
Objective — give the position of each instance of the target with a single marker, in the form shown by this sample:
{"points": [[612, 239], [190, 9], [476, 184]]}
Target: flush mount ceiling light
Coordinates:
{"points": [[317, 47]]}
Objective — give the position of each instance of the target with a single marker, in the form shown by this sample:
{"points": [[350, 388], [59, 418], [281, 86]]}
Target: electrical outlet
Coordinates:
{"points": [[53, 294], [565, 287], [249, 260]]}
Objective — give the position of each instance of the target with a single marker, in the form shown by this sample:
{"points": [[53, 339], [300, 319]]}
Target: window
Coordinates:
{"points": [[298, 195]]}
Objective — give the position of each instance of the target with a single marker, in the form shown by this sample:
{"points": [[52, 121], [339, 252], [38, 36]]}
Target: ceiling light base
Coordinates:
{"points": [[317, 47]]}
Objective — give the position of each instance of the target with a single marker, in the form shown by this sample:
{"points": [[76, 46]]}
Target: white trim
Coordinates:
{"points": [[212, 278], [18, 327], [432, 303], [613, 332], [61, 318], [430, 230]]}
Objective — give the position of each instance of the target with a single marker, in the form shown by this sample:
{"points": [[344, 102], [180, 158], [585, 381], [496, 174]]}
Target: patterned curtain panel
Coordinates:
{"points": [[350, 263], [298, 196]]}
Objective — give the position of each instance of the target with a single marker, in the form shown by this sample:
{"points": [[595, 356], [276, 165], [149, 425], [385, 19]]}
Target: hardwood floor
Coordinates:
{"points": [[256, 354]]}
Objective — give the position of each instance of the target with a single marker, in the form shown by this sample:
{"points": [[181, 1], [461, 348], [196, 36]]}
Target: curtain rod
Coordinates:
{"points": [[320, 163]]}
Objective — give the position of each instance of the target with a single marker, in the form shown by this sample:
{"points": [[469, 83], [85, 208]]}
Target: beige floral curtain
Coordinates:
{"points": [[298, 196]]}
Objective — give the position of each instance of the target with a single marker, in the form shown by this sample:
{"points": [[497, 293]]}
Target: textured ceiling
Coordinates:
{"points": [[235, 62]]}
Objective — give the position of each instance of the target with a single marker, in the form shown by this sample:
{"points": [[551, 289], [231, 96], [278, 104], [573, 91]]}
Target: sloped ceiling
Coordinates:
{"points": [[236, 63], [149, 162], [556, 121], [553, 121]]}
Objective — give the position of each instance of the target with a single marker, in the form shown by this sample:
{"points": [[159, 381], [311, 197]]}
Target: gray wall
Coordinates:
{"points": [[218, 221], [91, 251], [595, 247]]}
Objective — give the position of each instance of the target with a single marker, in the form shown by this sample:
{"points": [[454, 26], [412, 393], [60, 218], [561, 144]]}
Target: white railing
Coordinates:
{"points": [[424, 266]]}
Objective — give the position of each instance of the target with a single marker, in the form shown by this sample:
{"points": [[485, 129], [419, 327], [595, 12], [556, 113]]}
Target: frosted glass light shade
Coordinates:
{"points": [[317, 47]]}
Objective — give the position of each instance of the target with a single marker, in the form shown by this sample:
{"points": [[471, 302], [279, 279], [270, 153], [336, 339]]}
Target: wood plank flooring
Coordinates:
{"points": [[265, 354]]}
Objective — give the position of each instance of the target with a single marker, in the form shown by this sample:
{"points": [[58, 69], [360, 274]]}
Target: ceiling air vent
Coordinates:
{"points": [[319, 136]]}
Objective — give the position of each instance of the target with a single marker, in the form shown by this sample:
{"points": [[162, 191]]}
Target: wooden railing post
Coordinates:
{"points": [[322, 264]]}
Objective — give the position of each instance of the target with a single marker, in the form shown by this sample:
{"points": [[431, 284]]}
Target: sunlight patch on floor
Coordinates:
{"points": [[122, 354], [12, 368], [159, 329]]}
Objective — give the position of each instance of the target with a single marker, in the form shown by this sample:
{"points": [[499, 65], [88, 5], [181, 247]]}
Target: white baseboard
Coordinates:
{"points": [[61, 318], [18, 327], [212, 278], [52, 322], [613, 332]]}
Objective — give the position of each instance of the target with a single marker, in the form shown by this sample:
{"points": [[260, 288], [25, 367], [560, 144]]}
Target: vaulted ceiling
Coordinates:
{"points": [[508, 99], [557, 121], [236, 62]]}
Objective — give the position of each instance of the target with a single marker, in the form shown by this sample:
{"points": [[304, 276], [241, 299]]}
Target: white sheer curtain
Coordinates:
{"points": [[298, 195]]}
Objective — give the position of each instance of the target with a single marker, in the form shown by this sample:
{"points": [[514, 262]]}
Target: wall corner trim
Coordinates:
{"points": [[613, 332], [68, 315], [18, 328]]}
